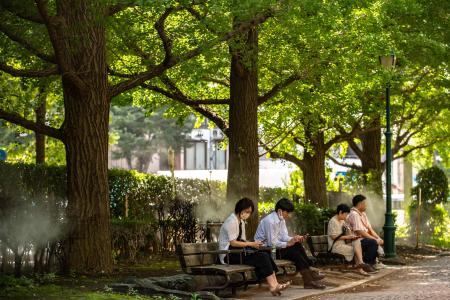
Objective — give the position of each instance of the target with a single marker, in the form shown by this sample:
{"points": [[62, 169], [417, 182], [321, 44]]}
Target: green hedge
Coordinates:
{"points": [[145, 216], [435, 220]]}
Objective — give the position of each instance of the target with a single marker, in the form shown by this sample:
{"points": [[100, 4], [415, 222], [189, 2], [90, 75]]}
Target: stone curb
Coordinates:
{"points": [[297, 292], [352, 284]]}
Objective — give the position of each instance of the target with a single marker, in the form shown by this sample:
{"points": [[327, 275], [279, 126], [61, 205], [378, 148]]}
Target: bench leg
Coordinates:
{"points": [[233, 291]]}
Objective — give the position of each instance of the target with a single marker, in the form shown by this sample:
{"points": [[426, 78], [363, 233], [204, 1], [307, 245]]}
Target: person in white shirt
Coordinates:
{"points": [[232, 236], [272, 231]]}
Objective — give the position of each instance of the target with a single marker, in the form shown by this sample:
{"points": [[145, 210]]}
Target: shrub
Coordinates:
{"points": [[433, 186], [311, 219]]}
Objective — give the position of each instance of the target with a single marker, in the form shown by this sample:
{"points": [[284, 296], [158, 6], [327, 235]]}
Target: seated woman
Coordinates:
{"points": [[342, 241], [232, 236]]}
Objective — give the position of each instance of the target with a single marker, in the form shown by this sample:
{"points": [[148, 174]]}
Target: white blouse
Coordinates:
{"points": [[229, 231]]}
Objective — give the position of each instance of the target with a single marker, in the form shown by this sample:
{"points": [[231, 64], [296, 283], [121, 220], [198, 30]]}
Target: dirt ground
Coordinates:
{"points": [[426, 275]]}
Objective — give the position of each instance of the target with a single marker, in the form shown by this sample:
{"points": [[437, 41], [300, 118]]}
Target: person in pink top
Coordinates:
{"points": [[360, 225]]}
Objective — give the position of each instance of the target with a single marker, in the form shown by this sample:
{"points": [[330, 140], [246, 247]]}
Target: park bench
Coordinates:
{"points": [[318, 245], [203, 259]]}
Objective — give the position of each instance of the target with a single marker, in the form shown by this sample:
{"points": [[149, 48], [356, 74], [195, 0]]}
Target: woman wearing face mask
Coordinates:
{"points": [[272, 229], [232, 236]]}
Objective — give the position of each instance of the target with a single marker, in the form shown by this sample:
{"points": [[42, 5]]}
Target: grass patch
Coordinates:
{"points": [[52, 286], [25, 288]]}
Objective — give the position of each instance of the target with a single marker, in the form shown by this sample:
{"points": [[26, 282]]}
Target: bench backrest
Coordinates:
{"points": [[318, 244], [193, 254]]}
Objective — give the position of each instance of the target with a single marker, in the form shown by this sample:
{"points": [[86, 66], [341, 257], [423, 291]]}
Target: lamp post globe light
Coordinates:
{"points": [[388, 62]]}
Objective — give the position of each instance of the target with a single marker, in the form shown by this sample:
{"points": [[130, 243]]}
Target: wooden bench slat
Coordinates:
{"points": [[318, 245], [198, 254], [190, 248], [224, 268], [202, 259]]}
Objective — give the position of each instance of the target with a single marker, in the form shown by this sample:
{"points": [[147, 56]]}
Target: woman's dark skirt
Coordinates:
{"points": [[262, 261]]}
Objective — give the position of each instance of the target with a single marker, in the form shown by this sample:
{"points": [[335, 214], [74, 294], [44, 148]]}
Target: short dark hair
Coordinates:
{"points": [[285, 205], [357, 199], [242, 204], [342, 208]]}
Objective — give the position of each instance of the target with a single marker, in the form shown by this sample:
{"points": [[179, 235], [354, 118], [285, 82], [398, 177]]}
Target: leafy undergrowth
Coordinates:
{"points": [[160, 267], [51, 286], [26, 288]]}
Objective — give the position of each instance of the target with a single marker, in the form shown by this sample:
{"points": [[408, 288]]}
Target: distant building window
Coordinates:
{"points": [[218, 157], [195, 156]]}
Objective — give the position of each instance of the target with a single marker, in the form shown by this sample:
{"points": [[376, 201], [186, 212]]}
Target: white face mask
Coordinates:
{"points": [[280, 215]]}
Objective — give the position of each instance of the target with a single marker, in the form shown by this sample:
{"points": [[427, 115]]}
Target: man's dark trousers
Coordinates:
{"points": [[369, 248]]}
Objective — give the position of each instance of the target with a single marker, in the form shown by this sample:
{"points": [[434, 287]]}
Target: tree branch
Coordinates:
{"points": [[157, 70], [352, 166], [224, 82], [355, 148], [199, 18], [31, 125], [278, 87], [343, 135], [21, 14], [298, 142], [53, 25], [29, 73], [115, 8], [416, 84], [178, 96], [27, 45], [159, 26], [426, 145], [289, 157]]}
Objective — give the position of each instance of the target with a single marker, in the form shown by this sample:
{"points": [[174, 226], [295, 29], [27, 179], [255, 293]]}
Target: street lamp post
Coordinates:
{"points": [[388, 62]]}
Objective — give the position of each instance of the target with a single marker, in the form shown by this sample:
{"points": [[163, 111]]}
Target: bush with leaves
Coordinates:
{"points": [[31, 213], [311, 219], [306, 218], [432, 184]]}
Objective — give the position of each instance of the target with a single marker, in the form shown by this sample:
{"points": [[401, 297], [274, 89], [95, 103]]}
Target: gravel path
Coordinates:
{"points": [[428, 279]]}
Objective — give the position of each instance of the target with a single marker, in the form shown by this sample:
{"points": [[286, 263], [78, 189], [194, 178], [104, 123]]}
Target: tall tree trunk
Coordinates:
{"points": [[17, 263], [129, 159], [142, 163], [40, 119], [371, 158], [243, 168], [87, 175], [4, 253], [314, 180], [86, 103]]}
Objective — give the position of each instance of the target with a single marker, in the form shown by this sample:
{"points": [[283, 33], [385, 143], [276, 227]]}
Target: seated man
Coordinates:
{"points": [[360, 225], [272, 231]]}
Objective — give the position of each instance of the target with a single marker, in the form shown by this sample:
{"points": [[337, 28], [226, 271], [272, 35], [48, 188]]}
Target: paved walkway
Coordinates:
{"points": [[335, 281], [427, 279]]}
